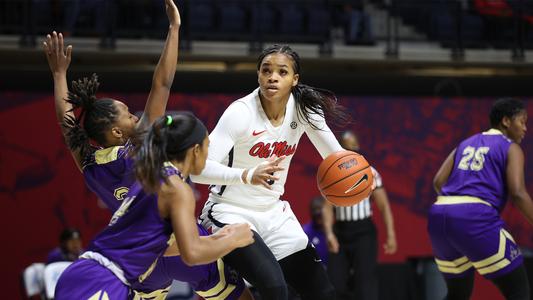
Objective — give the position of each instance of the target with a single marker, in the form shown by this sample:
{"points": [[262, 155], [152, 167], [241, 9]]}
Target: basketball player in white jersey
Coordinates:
{"points": [[260, 129]]}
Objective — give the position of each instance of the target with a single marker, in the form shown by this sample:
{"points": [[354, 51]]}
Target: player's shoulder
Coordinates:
{"points": [[116, 157], [241, 112], [246, 104]]}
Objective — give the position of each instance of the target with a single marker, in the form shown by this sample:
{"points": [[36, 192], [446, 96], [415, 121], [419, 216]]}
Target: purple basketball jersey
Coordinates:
{"points": [[109, 174], [136, 235], [479, 169], [464, 225], [87, 279]]}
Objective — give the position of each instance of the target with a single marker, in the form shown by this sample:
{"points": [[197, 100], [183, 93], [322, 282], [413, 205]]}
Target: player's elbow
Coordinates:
{"points": [[158, 82], [190, 258], [518, 195], [195, 254]]}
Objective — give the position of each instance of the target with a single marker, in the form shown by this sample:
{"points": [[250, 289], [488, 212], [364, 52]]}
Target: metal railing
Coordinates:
{"points": [[455, 24]]}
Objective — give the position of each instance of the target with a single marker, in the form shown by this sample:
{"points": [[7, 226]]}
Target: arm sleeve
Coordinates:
{"points": [[233, 124], [322, 138]]}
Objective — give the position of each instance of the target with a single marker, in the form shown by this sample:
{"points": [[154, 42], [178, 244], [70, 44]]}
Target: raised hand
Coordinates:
{"points": [[57, 55], [173, 13], [390, 245]]}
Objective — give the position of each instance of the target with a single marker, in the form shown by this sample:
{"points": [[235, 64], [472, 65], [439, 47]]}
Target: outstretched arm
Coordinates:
{"points": [[164, 71], [515, 182], [59, 58], [176, 200]]}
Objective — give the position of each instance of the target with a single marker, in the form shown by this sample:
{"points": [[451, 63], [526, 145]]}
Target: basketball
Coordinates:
{"points": [[344, 178]]}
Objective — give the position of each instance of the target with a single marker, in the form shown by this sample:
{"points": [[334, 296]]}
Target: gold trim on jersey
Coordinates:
{"points": [[493, 258], [221, 290], [497, 261], [492, 131], [103, 156], [100, 295], [456, 266], [485, 266], [144, 275], [169, 164], [508, 235], [495, 267], [171, 240], [155, 295], [447, 200]]}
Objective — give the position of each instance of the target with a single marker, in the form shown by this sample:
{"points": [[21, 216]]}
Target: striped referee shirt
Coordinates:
{"points": [[361, 210]]}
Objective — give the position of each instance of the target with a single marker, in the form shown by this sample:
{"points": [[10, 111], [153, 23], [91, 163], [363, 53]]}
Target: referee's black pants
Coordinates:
{"points": [[353, 271]]}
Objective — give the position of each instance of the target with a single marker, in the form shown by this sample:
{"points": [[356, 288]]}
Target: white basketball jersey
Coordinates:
{"points": [[244, 137]]}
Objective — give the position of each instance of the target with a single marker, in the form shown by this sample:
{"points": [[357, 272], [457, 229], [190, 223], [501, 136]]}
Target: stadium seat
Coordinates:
{"points": [[201, 16], [264, 18], [232, 18], [292, 19], [318, 20]]}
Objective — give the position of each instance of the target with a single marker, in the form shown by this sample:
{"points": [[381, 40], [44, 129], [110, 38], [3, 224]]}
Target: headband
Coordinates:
{"points": [[196, 136]]}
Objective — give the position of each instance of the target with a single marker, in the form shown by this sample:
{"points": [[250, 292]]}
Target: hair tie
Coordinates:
{"points": [[169, 120]]}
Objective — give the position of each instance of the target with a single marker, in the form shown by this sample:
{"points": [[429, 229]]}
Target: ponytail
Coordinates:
{"points": [[322, 102], [168, 139], [75, 137], [96, 115], [151, 156]]}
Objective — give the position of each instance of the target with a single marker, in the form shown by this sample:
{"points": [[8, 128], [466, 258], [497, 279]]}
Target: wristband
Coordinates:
{"points": [[250, 175]]}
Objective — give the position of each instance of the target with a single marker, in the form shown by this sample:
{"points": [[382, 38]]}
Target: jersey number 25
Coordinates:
{"points": [[473, 158]]}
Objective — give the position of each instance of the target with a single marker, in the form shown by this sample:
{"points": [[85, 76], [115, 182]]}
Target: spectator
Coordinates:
{"points": [[315, 229], [70, 247]]}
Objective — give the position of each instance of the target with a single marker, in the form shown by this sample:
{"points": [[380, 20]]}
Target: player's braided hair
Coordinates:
{"points": [[310, 100], [96, 115]]}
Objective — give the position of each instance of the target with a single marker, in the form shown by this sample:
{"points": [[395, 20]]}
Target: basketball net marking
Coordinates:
{"points": [[363, 179]]}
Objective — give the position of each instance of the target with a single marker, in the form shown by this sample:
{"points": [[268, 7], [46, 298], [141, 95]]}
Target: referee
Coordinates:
{"points": [[352, 239]]}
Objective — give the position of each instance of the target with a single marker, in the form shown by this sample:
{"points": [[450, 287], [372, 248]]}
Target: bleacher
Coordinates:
{"points": [[481, 24], [454, 24]]}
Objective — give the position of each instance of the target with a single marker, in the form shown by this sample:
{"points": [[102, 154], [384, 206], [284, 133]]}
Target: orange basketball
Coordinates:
{"points": [[344, 178]]}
